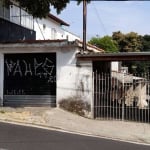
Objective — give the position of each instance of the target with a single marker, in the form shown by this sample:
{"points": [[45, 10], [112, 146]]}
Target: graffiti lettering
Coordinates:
{"points": [[39, 68], [17, 69], [10, 66], [27, 68]]}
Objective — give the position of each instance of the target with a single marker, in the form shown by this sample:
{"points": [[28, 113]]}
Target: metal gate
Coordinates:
{"points": [[122, 96], [30, 79]]}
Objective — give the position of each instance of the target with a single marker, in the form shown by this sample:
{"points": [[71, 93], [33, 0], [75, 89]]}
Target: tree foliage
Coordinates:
{"points": [[41, 8], [105, 43], [146, 43], [130, 42]]}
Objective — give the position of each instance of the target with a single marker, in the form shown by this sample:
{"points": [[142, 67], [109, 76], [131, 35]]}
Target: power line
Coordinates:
{"points": [[99, 18]]}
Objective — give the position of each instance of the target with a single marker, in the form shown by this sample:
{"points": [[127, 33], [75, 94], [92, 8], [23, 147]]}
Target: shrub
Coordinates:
{"points": [[75, 105]]}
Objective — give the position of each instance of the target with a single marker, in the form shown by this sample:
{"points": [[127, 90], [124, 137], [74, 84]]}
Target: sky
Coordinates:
{"points": [[106, 17]]}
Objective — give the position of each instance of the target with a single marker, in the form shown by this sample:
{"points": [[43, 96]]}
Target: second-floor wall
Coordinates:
{"points": [[46, 29]]}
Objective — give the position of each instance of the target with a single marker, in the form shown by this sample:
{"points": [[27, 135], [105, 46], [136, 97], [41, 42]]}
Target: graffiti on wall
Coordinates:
{"points": [[33, 69], [23, 68]]}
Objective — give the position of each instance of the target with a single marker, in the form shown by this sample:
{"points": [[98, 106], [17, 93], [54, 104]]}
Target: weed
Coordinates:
{"points": [[2, 111], [75, 105]]}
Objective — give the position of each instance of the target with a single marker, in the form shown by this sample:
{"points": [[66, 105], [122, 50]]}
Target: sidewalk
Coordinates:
{"points": [[56, 118]]}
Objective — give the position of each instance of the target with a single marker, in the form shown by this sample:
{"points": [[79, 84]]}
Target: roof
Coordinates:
{"points": [[58, 20], [50, 43], [91, 48], [124, 56]]}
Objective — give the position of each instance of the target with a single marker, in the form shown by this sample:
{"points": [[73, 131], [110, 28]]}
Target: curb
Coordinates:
{"points": [[60, 129]]}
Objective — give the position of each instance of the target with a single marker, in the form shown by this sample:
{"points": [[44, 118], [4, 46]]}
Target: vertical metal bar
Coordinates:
{"points": [[107, 78], [105, 93], [116, 99], [96, 93], [92, 101], [113, 98], [123, 99], [100, 95], [111, 95], [144, 82], [133, 114]]}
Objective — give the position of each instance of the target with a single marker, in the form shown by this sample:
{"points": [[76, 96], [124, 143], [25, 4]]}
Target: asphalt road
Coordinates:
{"points": [[15, 137]]}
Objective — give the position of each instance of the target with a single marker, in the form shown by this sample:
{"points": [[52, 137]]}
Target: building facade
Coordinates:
{"points": [[43, 73]]}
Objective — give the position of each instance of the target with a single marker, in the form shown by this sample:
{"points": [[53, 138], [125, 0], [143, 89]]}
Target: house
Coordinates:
{"points": [[37, 73], [49, 28]]}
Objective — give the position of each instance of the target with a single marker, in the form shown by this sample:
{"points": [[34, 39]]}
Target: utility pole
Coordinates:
{"points": [[84, 24]]}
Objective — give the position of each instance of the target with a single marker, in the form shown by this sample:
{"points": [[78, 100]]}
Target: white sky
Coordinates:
{"points": [[105, 17]]}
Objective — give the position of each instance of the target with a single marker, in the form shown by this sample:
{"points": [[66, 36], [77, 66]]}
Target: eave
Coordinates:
{"points": [[140, 56]]}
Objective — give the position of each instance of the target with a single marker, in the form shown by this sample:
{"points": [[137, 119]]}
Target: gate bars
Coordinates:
{"points": [[120, 96]]}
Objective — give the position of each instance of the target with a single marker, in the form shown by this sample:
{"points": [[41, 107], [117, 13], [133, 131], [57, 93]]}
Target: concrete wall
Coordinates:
{"points": [[73, 78]]}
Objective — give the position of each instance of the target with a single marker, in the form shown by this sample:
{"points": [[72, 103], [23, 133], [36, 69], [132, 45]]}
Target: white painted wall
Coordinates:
{"points": [[73, 80], [45, 30], [115, 66]]}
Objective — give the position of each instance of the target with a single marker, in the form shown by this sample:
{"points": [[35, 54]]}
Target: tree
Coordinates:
{"points": [[130, 42], [41, 8], [106, 43], [146, 43]]}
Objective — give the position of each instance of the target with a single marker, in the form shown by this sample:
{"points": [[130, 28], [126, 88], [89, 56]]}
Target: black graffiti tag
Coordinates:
{"points": [[42, 69]]}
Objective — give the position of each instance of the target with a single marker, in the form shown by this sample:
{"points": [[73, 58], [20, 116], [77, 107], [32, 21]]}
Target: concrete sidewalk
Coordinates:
{"points": [[56, 118]]}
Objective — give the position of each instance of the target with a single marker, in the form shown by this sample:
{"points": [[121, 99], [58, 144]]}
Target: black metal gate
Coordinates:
{"points": [[122, 97], [30, 79]]}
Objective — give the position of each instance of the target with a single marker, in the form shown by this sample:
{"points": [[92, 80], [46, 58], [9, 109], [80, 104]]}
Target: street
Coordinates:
{"points": [[16, 137]]}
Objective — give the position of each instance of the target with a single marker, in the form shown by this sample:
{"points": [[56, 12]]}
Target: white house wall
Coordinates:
{"points": [[73, 79], [70, 36], [44, 27]]}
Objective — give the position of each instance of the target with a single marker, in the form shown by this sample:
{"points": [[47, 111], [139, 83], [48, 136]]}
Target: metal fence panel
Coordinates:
{"points": [[120, 96]]}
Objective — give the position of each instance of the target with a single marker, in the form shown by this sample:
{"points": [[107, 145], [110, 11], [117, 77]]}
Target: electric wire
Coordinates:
{"points": [[99, 18]]}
